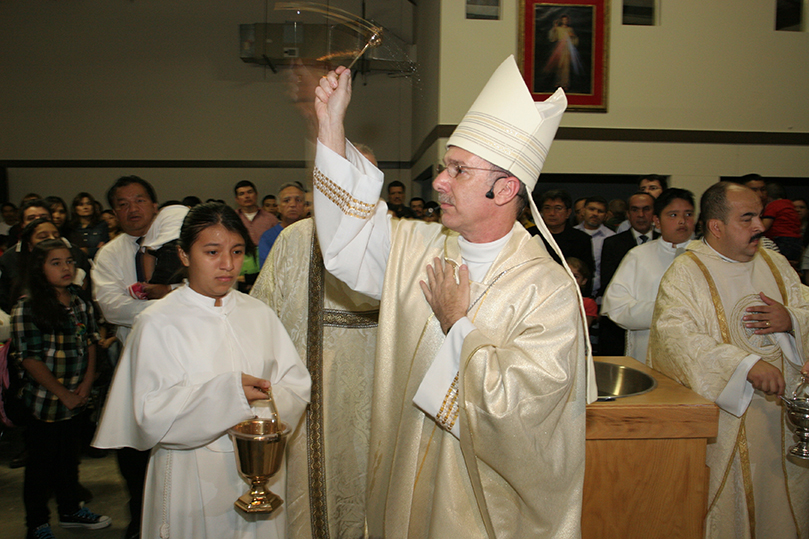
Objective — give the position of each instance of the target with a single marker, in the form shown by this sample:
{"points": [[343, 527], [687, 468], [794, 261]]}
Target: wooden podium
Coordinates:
{"points": [[645, 474]]}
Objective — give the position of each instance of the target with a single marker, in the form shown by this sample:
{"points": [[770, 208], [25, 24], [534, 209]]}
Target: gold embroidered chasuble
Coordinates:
{"points": [[518, 467], [699, 339], [334, 331]]}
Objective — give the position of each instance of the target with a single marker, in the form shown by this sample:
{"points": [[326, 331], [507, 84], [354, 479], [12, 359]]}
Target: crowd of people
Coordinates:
{"points": [[442, 370], [106, 290]]}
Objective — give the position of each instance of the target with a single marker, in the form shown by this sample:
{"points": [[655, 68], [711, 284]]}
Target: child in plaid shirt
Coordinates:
{"points": [[54, 335]]}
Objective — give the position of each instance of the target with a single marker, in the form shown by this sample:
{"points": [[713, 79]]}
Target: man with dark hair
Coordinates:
{"points": [[270, 205], [30, 210], [654, 184], [472, 313], [611, 337], [130, 271], [254, 218], [629, 298], [578, 211], [257, 221], [616, 213], [757, 184], [396, 198], [10, 217], [417, 207], [595, 211], [731, 322], [191, 201], [554, 208]]}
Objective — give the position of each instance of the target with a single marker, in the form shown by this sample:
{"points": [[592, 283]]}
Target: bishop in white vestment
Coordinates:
{"points": [[477, 426], [714, 332]]}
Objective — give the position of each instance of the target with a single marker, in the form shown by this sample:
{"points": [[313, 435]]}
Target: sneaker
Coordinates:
{"points": [[19, 461], [84, 518], [41, 532]]}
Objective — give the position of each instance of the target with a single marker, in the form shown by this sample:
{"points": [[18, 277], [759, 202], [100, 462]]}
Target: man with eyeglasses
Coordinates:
{"points": [[482, 351], [555, 207]]}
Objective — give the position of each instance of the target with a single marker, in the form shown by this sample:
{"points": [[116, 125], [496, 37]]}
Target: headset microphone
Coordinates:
{"points": [[490, 194]]}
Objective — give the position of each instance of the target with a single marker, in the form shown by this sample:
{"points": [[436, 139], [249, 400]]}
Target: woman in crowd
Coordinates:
{"points": [[198, 362], [113, 227], [55, 337], [59, 215], [89, 229]]}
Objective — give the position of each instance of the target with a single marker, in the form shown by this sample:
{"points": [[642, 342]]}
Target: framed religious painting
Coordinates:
{"points": [[563, 43]]}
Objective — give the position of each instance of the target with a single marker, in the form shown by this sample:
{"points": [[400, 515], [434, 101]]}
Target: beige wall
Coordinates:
{"points": [[99, 80], [707, 66]]}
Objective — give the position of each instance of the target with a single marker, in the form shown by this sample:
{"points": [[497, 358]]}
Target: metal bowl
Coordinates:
{"points": [[617, 381]]}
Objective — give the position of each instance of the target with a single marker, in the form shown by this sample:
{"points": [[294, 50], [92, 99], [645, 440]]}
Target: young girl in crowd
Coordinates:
{"points": [[197, 363], [89, 229], [582, 274], [54, 335], [112, 223]]}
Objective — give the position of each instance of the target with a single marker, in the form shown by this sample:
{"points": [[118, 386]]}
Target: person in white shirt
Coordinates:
{"points": [[731, 322], [595, 211], [630, 297], [480, 381], [123, 290]]}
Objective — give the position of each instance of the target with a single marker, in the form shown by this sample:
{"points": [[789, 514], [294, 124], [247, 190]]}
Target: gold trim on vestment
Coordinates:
{"points": [[448, 412], [474, 471], [346, 319], [314, 412], [318, 318], [717, 301], [747, 477], [342, 198]]}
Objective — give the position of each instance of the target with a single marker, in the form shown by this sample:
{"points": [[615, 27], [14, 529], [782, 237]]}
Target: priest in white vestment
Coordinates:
{"points": [[334, 331], [195, 365], [630, 297], [480, 380], [731, 322]]}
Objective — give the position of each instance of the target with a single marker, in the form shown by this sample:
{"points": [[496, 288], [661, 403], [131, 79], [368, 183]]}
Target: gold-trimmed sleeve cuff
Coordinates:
{"points": [[341, 198]]}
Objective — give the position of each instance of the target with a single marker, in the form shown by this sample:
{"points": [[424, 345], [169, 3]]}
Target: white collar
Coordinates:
{"points": [[720, 255], [482, 253]]}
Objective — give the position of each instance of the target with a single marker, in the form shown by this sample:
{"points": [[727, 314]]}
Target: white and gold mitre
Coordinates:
{"points": [[507, 128]]}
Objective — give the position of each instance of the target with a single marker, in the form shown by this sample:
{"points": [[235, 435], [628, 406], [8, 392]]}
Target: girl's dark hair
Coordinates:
{"points": [[210, 214], [23, 260], [52, 202], [48, 313], [95, 217]]}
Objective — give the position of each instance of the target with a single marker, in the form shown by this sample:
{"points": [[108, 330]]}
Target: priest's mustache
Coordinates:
{"points": [[756, 237]]}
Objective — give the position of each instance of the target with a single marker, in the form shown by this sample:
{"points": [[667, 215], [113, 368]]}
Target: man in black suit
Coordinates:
{"points": [[641, 210], [555, 207]]}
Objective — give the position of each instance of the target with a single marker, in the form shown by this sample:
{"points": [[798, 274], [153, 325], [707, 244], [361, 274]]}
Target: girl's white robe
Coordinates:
{"points": [[178, 389]]}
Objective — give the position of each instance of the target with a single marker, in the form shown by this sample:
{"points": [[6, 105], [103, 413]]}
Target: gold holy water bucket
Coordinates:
{"points": [[259, 445]]}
